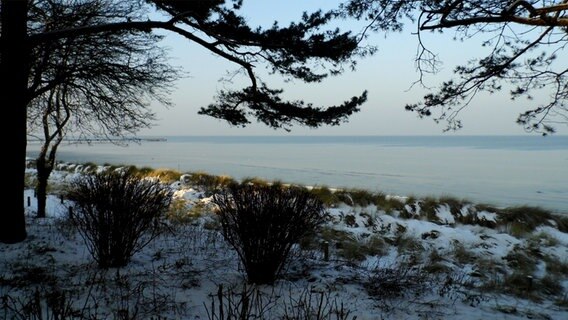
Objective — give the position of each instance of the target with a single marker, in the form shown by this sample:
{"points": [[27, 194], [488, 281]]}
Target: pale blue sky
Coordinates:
{"points": [[387, 76]]}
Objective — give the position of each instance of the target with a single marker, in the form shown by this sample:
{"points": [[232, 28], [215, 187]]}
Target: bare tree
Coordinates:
{"points": [[54, 115], [525, 40], [95, 87], [298, 50]]}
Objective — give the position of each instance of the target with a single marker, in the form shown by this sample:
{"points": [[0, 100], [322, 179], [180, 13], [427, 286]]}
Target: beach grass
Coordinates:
{"points": [[529, 217]]}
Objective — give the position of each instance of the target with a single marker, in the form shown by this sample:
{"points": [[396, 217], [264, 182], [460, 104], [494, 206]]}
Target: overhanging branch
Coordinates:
{"points": [[143, 26], [536, 17]]}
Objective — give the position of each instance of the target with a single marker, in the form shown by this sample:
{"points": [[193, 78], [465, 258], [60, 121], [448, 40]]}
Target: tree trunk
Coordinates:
{"points": [[45, 163], [41, 193], [43, 171], [14, 62]]}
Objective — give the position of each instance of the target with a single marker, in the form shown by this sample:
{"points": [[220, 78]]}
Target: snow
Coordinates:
{"points": [[444, 215], [561, 237], [487, 216], [177, 276]]}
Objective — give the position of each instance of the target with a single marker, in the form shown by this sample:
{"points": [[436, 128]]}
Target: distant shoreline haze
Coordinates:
{"points": [[499, 170]]}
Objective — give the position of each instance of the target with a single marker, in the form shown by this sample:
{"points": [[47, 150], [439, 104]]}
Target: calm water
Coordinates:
{"points": [[499, 170]]}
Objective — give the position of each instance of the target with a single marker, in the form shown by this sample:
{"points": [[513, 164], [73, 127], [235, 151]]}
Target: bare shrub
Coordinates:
{"points": [[397, 281], [117, 214], [92, 295], [247, 303], [402, 286], [315, 305], [252, 303], [42, 304], [263, 222]]}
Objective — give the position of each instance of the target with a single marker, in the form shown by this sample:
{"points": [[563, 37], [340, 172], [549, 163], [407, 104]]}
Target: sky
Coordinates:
{"points": [[388, 76]]}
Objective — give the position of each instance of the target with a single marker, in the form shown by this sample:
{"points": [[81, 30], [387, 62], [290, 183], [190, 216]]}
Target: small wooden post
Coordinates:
{"points": [[325, 248], [70, 212], [61, 198], [29, 201]]}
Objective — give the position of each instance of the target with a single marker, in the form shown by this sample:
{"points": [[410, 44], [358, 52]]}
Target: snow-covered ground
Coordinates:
{"points": [[380, 266]]}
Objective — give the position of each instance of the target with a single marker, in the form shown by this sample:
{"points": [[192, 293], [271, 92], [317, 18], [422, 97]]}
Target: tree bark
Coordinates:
{"points": [[45, 162], [14, 69], [43, 171], [41, 193]]}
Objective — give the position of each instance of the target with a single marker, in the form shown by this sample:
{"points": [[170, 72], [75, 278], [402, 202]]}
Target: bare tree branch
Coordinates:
{"points": [[526, 37]]}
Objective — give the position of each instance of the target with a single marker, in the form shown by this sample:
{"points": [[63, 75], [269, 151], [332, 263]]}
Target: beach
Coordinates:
{"points": [[403, 259]]}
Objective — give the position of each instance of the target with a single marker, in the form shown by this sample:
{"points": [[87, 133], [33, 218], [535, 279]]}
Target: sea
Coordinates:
{"points": [[497, 170]]}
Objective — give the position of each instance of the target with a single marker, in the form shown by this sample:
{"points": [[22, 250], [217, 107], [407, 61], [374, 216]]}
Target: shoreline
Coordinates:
{"points": [[92, 167], [504, 175], [106, 140]]}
